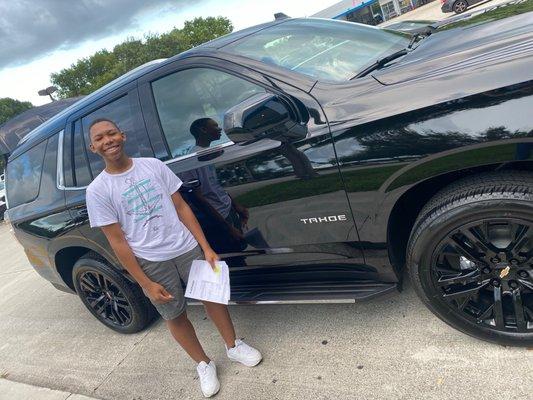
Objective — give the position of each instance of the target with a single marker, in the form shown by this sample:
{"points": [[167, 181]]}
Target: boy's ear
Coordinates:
{"points": [[92, 148]]}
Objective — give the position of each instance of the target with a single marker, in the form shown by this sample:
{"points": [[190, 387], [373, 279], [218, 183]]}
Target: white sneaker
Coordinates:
{"points": [[208, 378], [244, 354]]}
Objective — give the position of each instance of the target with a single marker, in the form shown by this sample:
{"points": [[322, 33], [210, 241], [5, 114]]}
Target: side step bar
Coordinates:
{"points": [[311, 292]]}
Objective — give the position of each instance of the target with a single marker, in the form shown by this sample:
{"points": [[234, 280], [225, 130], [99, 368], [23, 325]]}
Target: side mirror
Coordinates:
{"points": [[262, 116]]}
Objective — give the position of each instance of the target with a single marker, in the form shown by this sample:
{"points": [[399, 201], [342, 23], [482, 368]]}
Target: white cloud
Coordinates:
{"points": [[24, 81]]}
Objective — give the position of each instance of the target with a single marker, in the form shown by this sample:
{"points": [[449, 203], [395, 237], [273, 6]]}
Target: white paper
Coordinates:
{"points": [[207, 284]]}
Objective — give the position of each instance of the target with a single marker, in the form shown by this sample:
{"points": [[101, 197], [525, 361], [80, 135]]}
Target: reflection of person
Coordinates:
{"points": [[155, 236], [300, 163], [223, 213]]}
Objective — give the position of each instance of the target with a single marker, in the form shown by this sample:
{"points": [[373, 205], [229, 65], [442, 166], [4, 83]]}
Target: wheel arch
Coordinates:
{"points": [[408, 206], [65, 258]]}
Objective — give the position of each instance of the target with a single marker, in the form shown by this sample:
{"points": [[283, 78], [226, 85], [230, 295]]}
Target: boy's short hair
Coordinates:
{"points": [[197, 125], [98, 120]]}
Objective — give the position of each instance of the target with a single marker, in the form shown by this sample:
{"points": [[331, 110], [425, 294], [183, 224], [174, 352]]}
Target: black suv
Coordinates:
{"points": [[354, 151]]}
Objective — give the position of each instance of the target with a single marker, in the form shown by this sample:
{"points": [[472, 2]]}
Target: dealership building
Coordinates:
{"points": [[370, 12]]}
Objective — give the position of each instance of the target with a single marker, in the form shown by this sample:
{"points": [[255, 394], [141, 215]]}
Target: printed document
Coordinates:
{"points": [[207, 284]]}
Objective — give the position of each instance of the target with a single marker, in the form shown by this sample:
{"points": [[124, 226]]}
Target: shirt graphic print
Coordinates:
{"points": [[141, 202], [139, 199]]}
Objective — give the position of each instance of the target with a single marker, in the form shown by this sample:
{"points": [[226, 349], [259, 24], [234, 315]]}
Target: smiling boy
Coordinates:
{"points": [[155, 236]]}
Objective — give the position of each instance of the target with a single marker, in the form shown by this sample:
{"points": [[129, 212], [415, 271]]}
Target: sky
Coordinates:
{"points": [[38, 37]]}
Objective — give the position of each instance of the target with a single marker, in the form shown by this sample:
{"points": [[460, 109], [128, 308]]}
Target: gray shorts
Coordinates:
{"points": [[172, 275]]}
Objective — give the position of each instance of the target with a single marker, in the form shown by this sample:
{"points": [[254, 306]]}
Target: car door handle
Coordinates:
{"points": [[192, 184]]}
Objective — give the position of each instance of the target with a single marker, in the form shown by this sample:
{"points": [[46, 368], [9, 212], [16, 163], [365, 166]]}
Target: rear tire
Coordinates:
{"points": [[109, 296], [470, 257]]}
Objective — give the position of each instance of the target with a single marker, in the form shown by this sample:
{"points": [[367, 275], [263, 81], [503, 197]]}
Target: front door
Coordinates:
{"points": [[276, 210]]}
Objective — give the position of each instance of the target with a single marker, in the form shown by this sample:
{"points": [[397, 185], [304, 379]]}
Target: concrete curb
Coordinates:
{"points": [[10, 390]]}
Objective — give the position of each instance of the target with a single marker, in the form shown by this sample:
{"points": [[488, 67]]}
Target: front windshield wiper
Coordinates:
{"points": [[385, 60], [381, 62]]}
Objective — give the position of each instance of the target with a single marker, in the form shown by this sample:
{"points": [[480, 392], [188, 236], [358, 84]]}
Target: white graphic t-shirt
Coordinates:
{"points": [[139, 200]]}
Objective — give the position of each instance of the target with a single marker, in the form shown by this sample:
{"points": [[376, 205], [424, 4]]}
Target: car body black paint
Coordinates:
{"points": [[370, 142]]}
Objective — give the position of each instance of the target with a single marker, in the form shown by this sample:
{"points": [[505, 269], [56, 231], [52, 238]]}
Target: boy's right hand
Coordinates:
{"points": [[158, 294]]}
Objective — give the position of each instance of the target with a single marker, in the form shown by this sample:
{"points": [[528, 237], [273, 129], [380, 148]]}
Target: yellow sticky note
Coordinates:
{"points": [[217, 269]]}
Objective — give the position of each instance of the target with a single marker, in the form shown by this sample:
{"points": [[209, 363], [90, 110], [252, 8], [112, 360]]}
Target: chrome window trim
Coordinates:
{"points": [[59, 174], [60, 177]]}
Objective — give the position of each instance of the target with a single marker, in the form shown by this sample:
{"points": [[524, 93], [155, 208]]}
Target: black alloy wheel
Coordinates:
{"points": [[471, 257], [483, 269], [109, 296], [460, 6], [105, 298]]}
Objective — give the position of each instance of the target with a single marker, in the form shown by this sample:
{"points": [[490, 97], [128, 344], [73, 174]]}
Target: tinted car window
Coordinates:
{"points": [[24, 175], [324, 49], [195, 94], [81, 166], [125, 112], [67, 159]]}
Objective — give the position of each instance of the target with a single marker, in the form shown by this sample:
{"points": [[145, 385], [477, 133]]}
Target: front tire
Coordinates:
{"points": [[109, 296], [460, 6], [470, 257]]}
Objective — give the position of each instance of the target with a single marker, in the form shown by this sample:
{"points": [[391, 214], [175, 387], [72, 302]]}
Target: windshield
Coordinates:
{"points": [[324, 49]]}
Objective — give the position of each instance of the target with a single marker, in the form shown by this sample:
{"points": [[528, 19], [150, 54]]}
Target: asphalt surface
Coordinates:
{"points": [[387, 348], [432, 12]]}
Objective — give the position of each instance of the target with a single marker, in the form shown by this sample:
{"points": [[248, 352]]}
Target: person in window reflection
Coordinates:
{"points": [[221, 217]]}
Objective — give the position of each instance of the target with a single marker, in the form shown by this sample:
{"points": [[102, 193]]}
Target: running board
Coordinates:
{"points": [[311, 292]]}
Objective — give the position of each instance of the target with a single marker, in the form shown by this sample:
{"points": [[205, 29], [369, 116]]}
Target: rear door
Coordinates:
{"points": [[275, 209], [80, 166]]}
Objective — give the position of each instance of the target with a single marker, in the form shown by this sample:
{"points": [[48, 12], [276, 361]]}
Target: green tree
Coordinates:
{"points": [[93, 72], [11, 107]]}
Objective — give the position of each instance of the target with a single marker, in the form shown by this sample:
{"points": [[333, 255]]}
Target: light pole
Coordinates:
{"points": [[48, 92]]}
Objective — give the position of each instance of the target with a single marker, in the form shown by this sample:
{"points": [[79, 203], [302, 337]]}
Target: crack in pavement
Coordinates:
{"points": [[122, 360]]}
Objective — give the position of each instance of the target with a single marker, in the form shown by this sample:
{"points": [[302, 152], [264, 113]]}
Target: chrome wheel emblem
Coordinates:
{"points": [[504, 272]]}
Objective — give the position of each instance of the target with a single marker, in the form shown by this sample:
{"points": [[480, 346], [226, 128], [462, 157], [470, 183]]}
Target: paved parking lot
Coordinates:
{"points": [[389, 348], [432, 11]]}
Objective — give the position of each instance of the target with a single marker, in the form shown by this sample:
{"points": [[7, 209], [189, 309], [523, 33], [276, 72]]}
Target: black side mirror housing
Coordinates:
{"points": [[261, 116]]}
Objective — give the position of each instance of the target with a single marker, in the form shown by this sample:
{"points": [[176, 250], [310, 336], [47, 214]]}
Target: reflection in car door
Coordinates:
{"points": [[274, 208]]}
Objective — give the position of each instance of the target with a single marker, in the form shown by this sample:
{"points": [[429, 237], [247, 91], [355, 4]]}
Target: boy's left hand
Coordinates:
{"points": [[211, 257]]}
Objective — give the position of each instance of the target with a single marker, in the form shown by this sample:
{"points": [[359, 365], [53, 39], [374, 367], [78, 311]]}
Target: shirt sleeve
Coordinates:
{"points": [[170, 181], [101, 211]]}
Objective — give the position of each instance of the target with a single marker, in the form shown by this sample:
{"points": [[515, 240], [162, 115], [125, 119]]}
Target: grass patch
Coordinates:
{"points": [[364, 179], [500, 12], [472, 158], [371, 178]]}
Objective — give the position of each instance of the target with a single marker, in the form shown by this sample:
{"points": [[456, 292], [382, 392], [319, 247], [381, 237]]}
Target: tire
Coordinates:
{"points": [[109, 296], [470, 257], [460, 6]]}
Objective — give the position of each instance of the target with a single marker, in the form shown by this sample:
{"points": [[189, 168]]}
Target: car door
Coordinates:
{"points": [[275, 209]]}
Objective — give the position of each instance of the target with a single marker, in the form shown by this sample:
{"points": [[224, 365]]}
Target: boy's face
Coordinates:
{"points": [[107, 140], [211, 130]]}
